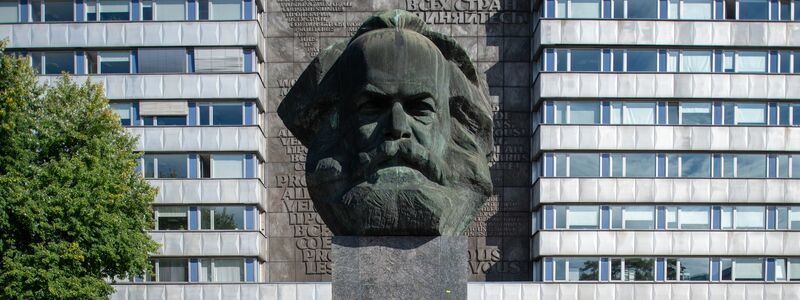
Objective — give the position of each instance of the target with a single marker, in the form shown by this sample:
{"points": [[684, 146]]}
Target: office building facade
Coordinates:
{"points": [[646, 149]]}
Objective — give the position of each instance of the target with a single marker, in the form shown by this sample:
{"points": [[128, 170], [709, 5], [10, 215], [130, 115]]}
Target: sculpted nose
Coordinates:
{"points": [[399, 128]]}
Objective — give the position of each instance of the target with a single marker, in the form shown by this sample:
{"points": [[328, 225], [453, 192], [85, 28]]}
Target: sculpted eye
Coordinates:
{"points": [[372, 107], [419, 107]]}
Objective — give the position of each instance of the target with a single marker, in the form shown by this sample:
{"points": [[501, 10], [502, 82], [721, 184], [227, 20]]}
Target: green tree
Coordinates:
{"points": [[73, 210]]}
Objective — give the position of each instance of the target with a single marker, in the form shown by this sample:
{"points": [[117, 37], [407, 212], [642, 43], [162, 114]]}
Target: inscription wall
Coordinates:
{"points": [[497, 35]]}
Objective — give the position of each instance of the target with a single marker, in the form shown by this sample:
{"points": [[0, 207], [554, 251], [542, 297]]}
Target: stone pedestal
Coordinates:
{"points": [[399, 267]]}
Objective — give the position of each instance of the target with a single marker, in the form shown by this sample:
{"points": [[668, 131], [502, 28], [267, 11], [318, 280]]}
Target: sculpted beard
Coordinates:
{"points": [[374, 192]]}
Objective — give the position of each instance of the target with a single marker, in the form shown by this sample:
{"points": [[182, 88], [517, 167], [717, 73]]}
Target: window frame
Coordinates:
{"points": [[155, 165], [157, 214], [212, 219]]}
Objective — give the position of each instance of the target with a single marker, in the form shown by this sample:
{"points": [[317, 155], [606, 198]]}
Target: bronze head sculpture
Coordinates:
{"points": [[398, 127]]}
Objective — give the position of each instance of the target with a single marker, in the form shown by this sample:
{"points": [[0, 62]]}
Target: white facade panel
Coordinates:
{"points": [[210, 191], [666, 85], [549, 190], [210, 243], [666, 33], [233, 291], [478, 291], [669, 243], [666, 138], [175, 86], [134, 34], [210, 139]]}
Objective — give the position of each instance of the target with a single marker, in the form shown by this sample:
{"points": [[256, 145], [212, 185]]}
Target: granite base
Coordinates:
{"points": [[399, 267]]}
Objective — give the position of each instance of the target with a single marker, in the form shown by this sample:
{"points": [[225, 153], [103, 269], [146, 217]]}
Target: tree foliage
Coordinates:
{"points": [[73, 210]]}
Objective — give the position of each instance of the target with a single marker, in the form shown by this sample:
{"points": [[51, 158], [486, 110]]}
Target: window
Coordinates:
{"points": [[108, 62], [585, 9], [165, 166], [227, 166], [147, 10], [226, 9], [751, 62], [222, 218], [202, 9], [726, 269], [689, 217], [695, 113], [795, 166], [633, 165], [585, 112], [561, 57], [219, 60], [164, 120], [794, 269], [780, 269], [583, 217], [587, 60], [749, 217], [584, 165], [9, 11], [110, 10], [642, 9], [688, 269], [745, 113], [696, 61], [162, 60], [794, 220], [748, 165], [753, 10], [638, 217], [642, 113], [172, 270], [170, 10], [221, 113], [696, 10], [123, 110], [577, 112], [728, 65], [221, 270], [57, 10], [695, 165], [576, 269], [748, 269], [638, 269], [642, 60], [58, 62], [171, 218]]}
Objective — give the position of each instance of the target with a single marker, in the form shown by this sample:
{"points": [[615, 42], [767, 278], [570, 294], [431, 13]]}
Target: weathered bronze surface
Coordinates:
{"points": [[398, 127]]}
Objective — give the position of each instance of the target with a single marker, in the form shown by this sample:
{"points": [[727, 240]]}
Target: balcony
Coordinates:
{"points": [[210, 191], [666, 85], [665, 243], [664, 190], [211, 243], [134, 34], [553, 32], [664, 138], [209, 139], [175, 86]]}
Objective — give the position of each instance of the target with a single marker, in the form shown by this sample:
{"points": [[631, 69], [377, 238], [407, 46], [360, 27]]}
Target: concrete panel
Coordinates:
{"points": [[665, 85], [210, 243], [210, 191], [665, 190], [647, 243]]}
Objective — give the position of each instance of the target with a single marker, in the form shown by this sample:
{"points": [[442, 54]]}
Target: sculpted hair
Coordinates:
{"points": [[312, 107]]}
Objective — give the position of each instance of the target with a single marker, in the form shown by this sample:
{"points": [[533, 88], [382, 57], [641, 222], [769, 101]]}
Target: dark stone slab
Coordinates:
{"points": [[399, 267]]}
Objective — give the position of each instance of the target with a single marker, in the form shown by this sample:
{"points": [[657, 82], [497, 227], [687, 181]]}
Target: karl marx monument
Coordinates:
{"points": [[399, 134]]}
